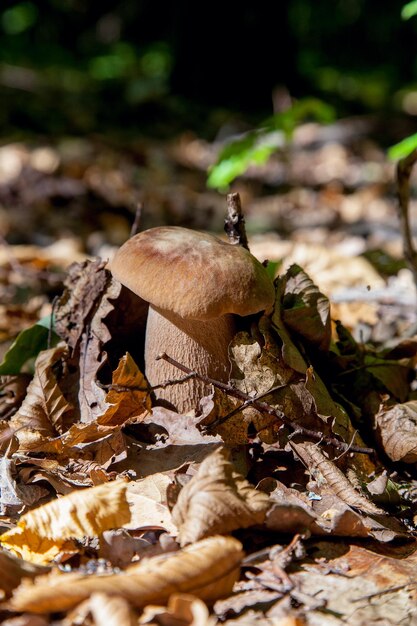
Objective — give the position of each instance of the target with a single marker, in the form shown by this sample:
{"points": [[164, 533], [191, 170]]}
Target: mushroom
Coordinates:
{"points": [[194, 283]]}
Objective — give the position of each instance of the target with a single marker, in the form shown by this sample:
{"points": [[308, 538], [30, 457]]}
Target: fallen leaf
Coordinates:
{"points": [[305, 309], [181, 609], [396, 428], [129, 395], [45, 410], [208, 569], [217, 500], [87, 512], [111, 610], [148, 503]]}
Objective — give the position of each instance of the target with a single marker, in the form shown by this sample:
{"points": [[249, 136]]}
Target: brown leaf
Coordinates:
{"points": [[217, 500], [148, 503], [85, 284], [45, 409], [397, 431], [86, 512], [305, 309], [334, 478], [207, 569], [13, 570], [182, 609], [111, 610], [129, 395]]}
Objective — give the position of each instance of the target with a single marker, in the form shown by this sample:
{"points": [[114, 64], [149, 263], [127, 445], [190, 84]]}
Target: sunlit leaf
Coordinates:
{"points": [[256, 147], [403, 148], [409, 10]]}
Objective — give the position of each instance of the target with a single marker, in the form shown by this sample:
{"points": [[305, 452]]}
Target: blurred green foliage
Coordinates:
{"points": [[256, 146], [68, 66]]}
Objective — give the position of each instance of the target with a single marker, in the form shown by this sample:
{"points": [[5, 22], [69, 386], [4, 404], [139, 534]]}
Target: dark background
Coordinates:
{"points": [[153, 67]]}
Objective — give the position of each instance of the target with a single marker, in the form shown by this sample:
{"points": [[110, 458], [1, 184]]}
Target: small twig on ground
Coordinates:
{"points": [[264, 407], [136, 222], [234, 224], [404, 168]]}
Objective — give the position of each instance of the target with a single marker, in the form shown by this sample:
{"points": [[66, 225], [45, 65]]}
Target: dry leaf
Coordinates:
{"points": [[397, 430], [217, 500], [13, 570], [305, 309], [86, 512], [129, 396], [182, 609], [335, 479], [148, 503], [44, 409], [207, 569], [111, 610]]}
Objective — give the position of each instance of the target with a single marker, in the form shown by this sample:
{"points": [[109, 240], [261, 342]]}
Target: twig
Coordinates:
{"points": [[136, 222], [234, 224], [264, 407], [404, 168]]}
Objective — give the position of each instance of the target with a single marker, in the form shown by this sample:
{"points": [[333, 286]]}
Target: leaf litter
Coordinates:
{"points": [[253, 508]]}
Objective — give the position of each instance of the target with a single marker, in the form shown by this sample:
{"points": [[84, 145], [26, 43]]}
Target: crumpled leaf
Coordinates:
{"points": [[44, 411], [217, 500], [111, 610], [85, 284], [96, 313], [208, 569], [396, 428], [293, 512], [87, 512], [335, 479], [129, 395], [183, 609], [305, 309]]}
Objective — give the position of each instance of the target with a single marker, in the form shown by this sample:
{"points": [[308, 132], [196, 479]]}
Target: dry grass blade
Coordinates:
{"points": [[208, 569]]}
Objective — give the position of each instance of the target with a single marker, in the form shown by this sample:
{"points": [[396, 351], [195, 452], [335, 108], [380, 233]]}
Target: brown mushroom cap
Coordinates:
{"points": [[165, 266]]}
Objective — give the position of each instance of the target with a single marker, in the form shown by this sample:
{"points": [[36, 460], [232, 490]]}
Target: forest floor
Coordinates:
{"points": [[326, 515]]}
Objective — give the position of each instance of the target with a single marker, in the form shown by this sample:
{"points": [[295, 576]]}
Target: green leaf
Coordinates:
{"points": [[409, 10], [256, 147], [403, 148], [27, 345]]}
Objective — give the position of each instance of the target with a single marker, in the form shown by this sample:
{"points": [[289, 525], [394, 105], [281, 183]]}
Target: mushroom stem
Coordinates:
{"points": [[200, 345]]}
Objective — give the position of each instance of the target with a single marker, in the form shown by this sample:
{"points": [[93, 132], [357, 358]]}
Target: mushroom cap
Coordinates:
{"points": [[192, 274]]}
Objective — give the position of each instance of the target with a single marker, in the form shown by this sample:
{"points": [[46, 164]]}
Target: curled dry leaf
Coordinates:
{"points": [[111, 610], [217, 500], [397, 431], [207, 569], [88, 512], [305, 309], [129, 394], [182, 609], [335, 479], [44, 409]]}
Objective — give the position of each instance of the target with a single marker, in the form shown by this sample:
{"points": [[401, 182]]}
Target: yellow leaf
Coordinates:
{"points": [[129, 396], [40, 534], [207, 569]]}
